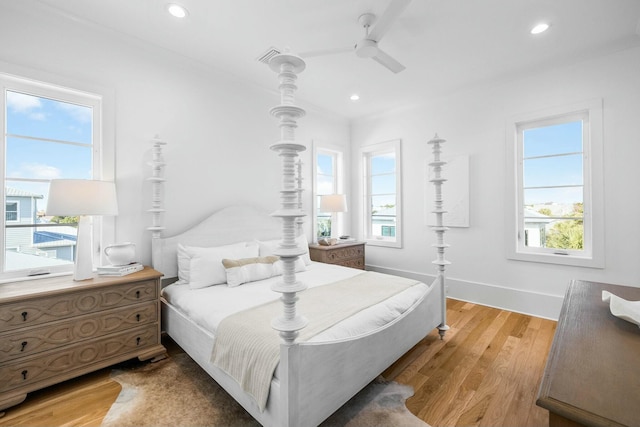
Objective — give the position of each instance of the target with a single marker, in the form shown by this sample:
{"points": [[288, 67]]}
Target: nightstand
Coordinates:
{"points": [[345, 254], [54, 329]]}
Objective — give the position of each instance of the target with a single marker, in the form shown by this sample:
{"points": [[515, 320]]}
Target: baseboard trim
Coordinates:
{"points": [[520, 301]]}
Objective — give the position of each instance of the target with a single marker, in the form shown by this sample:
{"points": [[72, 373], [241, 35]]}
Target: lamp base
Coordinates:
{"points": [[83, 268]]}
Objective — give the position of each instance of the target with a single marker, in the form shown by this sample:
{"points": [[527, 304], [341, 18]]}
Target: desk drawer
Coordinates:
{"points": [[49, 367], [48, 309]]}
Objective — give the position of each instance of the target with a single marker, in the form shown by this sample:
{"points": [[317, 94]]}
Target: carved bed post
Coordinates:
{"points": [[439, 228], [299, 179], [288, 66], [157, 203]]}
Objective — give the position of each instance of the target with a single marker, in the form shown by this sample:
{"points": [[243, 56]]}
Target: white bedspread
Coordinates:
{"points": [[208, 306], [248, 349]]}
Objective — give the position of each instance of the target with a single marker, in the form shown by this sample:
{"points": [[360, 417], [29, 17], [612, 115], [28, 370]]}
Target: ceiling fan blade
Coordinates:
{"points": [[384, 59], [323, 52], [395, 8]]}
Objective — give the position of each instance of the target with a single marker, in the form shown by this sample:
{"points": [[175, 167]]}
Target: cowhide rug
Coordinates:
{"points": [[177, 392]]}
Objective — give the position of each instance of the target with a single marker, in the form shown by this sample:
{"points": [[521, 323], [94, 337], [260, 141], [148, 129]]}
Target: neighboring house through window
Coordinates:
{"points": [[49, 132], [382, 190], [556, 160]]}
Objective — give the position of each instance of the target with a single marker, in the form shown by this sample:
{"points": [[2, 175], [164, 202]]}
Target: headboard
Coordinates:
{"points": [[228, 225]]}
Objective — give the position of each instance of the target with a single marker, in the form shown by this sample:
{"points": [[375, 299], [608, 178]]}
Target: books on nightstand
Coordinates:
{"points": [[346, 239], [119, 270]]}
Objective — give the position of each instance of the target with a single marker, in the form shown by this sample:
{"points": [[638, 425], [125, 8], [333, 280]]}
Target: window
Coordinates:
{"points": [[382, 194], [558, 181], [49, 132], [328, 167], [11, 211]]}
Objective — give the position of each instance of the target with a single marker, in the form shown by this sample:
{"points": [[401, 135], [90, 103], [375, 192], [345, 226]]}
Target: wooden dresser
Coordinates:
{"points": [[54, 329], [346, 254], [592, 376]]}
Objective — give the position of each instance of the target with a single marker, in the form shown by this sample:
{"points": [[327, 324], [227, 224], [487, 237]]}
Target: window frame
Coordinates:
{"points": [[338, 156], [17, 211], [366, 153], [593, 254], [100, 99]]}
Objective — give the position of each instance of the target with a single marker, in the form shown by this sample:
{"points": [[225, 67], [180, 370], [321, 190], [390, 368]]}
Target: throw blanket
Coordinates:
{"points": [[248, 349]]}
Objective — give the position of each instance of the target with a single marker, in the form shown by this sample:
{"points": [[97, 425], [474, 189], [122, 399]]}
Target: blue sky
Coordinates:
{"points": [[67, 151], [383, 180], [567, 169]]}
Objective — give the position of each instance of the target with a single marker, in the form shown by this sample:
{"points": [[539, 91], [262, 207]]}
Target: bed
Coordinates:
{"points": [[241, 263]]}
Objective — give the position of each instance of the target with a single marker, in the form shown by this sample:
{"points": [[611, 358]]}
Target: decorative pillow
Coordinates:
{"points": [[202, 267], [245, 270]]}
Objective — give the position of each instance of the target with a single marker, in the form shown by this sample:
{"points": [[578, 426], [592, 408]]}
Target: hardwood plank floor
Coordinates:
{"points": [[486, 372]]}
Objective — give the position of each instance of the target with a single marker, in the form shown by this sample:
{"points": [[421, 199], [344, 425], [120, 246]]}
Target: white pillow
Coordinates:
{"points": [[246, 270], [183, 265], [269, 247], [205, 264]]}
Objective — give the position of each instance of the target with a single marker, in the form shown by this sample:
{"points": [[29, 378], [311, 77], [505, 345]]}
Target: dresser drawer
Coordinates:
{"points": [[354, 263], [41, 310], [339, 255], [28, 341], [49, 367]]}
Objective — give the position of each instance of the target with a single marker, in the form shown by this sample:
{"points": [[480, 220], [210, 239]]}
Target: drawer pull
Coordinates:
{"points": [[24, 344], [138, 294], [24, 374], [138, 341], [24, 316], [138, 317]]}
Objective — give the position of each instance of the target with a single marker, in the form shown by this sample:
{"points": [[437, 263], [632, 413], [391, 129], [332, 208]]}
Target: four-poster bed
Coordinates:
{"points": [[326, 355]]}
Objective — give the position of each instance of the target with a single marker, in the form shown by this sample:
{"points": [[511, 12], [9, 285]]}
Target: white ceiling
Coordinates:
{"points": [[446, 45]]}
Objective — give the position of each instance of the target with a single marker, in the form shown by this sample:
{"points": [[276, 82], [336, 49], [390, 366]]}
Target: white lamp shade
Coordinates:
{"points": [[333, 203], [71, 197]]}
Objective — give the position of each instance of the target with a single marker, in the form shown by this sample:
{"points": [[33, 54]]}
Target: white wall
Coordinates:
{"points": [[218, 127], [473, 121]]}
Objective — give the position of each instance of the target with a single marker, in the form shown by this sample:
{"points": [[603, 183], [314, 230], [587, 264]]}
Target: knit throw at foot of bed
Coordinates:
{"points": [[177, 392]]}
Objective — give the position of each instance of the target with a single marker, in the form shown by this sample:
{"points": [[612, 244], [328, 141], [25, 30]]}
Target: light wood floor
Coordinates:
{"points": [[485, 372]]}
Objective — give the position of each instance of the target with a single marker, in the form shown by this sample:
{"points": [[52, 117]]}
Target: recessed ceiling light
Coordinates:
{"points": [[176, 10], [354, 97], [540, 28]]}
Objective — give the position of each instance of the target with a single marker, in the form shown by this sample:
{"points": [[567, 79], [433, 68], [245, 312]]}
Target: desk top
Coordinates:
{"points": [[593, 371]]}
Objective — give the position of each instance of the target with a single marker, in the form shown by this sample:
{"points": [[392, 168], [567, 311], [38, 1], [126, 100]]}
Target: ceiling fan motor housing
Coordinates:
{"points": [[367, 48]]}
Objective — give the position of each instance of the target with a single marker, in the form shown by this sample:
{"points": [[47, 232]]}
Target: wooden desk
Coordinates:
{"points": [[592, 376]]}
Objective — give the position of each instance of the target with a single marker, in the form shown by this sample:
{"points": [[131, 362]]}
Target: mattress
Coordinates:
{"points": [[208, 306]]}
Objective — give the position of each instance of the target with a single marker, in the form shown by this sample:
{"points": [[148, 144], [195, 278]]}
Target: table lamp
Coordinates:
{"points": [[82, 197], [333, 203]]}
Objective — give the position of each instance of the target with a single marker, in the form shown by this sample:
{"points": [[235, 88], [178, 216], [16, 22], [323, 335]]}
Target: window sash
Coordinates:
{"points": [[523, 246]]}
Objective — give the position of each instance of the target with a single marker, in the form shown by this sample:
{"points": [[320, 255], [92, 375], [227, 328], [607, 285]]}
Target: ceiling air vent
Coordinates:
{"points": [[270, 53]]}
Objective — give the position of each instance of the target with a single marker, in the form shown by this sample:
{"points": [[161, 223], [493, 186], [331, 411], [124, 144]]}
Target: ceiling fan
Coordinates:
{"points": [[368, 46]]}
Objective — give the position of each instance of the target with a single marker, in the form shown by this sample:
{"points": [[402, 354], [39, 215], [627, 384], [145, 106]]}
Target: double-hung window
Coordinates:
{"points": [[328, 173], [49, 132], [556, 159], [382, 190]]}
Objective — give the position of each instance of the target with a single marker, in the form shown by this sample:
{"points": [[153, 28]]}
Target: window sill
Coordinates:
{"points": [[569, 260], [383, 243]]}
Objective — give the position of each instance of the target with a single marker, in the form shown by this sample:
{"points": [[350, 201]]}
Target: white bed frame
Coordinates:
{"points": [[312, 380]]}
